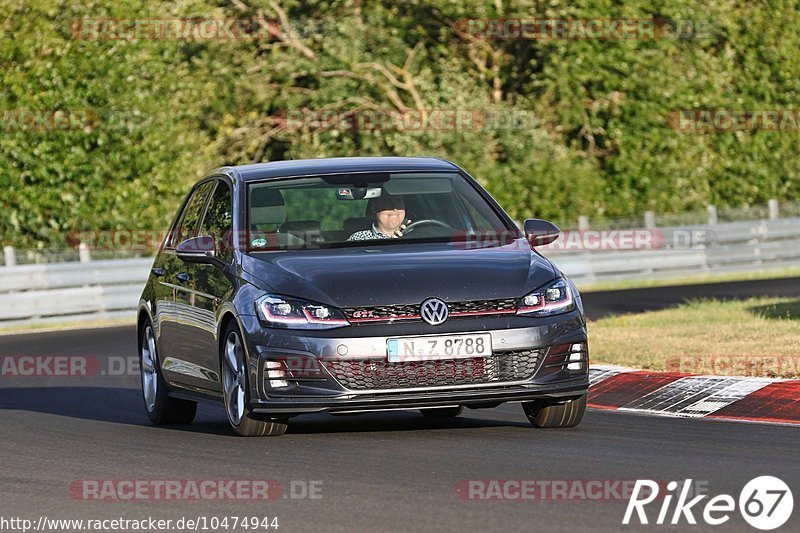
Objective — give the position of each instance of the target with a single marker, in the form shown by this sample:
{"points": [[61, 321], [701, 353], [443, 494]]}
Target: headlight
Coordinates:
{"points": [[293, 313], [551, 299]]}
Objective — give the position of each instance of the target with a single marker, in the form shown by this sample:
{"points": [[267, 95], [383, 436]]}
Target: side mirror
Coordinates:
{"points": [[199, 250], [540, 232]]}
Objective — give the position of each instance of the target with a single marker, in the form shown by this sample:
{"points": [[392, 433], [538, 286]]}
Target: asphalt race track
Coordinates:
{"points": [[376, 472], [604, 303]]}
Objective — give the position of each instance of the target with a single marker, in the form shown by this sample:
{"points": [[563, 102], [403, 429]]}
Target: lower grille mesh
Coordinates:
{"points": [[376, 375]]}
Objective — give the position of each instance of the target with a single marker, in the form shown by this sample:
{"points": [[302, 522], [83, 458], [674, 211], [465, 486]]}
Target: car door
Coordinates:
{"points": [[165, 270], [176, 368], [204, 287]]}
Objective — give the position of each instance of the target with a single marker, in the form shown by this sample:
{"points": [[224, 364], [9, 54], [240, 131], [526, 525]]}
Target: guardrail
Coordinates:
{"points": [[42, 292], [711, 248], [47, 292]]}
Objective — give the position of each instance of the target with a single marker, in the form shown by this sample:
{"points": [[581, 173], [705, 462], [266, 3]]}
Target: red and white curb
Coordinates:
{"points": [[686, 395]]}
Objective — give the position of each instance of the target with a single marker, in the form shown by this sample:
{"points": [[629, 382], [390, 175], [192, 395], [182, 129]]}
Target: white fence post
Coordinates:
{"points": [[10, 256], [774, 212], [83, 253], [712, 214], [649, 219], [583, 222]]}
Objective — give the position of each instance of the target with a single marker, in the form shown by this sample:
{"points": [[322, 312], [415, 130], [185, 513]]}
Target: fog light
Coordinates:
{"points": [[576, 358], [275, 371], [275, 383]]}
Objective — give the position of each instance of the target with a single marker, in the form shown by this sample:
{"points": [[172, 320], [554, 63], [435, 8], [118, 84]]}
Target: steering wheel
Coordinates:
{"points": [[427, 222]]}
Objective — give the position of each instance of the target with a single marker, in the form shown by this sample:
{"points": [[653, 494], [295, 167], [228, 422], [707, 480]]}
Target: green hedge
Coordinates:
{"points": [[162, 112]]}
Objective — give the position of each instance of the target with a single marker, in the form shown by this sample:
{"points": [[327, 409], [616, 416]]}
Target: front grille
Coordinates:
{"points": [[377, 375], [390, 313]]}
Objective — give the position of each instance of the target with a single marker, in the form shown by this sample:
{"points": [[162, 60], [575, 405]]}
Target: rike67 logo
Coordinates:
{"points": [[765, 503]]}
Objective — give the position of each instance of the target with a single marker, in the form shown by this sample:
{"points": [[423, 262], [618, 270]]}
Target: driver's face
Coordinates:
{"points": [[390, 219]]}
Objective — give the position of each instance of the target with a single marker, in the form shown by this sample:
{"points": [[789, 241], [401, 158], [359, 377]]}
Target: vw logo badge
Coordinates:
{"points": [[434, 311]]}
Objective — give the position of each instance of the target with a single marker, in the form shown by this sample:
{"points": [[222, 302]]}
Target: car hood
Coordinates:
{"points": [[400, 274]]}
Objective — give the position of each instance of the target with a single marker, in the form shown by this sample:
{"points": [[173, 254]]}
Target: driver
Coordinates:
{"points": [[389, 212]]}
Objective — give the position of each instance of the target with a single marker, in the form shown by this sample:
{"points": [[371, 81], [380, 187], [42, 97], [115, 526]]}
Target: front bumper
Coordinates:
{"points": [[319, 389]]}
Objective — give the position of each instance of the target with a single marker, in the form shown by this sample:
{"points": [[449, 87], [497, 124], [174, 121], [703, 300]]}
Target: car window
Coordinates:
{"points": [[190, 218], [441, 207], [347, 210], [218, 219], [479, 219], [301, 203]]}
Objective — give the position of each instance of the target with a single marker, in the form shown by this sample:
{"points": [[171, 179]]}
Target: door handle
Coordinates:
{"points": [[159, 272], [184, 276]]}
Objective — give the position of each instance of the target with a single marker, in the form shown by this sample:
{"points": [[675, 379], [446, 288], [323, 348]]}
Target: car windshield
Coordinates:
{"points": [[345, 210]]}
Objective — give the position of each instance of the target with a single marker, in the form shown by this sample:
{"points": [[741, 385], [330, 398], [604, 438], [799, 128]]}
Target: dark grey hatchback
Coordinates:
{"points": [[356, 284]]}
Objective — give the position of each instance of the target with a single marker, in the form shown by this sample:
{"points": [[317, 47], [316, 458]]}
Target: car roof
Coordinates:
{"points": [[335, 165]]}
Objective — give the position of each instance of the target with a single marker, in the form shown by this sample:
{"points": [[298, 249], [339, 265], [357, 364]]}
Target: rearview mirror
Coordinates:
{"points": [[540, 232], [199, 250], [357, 193]]}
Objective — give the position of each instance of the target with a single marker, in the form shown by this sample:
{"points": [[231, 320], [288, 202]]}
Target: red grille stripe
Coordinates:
{"points": [[476, 313], [385, 318]]}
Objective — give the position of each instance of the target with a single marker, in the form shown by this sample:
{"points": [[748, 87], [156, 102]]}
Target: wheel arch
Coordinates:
{"points": [[229, 315], [142, 316]]}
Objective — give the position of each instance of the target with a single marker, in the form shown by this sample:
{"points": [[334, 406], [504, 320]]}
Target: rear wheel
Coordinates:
{"points": [[442, 412], [561, 415], [161, 409], [236, 391]]}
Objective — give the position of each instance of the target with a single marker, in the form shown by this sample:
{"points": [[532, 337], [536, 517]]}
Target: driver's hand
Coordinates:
{"points": [[399, 231]]}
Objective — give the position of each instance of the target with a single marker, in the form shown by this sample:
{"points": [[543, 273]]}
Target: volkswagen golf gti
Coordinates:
{"points": [[351, 285]]}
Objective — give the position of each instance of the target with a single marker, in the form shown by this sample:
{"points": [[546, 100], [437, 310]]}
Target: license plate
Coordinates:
{"points": [[431, 348]]}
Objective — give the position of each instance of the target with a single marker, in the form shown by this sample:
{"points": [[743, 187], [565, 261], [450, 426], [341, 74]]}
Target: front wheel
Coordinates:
{"points": [[236, 391], [161, 409], [560, 415]]}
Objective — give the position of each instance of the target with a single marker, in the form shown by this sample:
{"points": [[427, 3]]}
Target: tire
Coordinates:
{"points": [[161, 409], [442, 412], [236, 390], [562, 415]]}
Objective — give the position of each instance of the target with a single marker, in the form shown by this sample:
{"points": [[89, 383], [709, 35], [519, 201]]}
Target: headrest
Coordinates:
{"points": [[266, 207], [265, 197]]}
